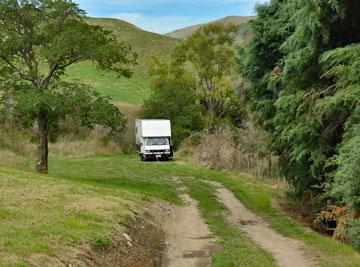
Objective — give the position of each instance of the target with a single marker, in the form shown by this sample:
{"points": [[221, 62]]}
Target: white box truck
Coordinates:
{"points": [[153, 139]]}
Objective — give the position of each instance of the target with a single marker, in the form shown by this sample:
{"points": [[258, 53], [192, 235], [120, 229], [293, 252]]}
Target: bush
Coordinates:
{"points": [[174, 99], [231, 148], [352, 232]]}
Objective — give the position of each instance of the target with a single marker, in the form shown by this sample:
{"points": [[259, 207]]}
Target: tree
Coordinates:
{"points": [[342, 65], [39, 39], [210, 54], [297, 101], [173, 97]]}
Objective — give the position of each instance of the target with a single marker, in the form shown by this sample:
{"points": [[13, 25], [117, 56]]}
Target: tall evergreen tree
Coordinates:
{"points": [[293, 78]]}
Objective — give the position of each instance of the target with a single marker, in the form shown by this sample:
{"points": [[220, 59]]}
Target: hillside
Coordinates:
{"points": [[136, 89], [243, 22], [145, 44]]}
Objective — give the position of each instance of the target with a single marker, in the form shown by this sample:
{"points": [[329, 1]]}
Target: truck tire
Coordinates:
{"points": [[142, 158]]}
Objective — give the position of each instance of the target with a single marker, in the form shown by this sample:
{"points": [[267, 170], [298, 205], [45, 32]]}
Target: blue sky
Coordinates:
{"points": [[164, 16]]}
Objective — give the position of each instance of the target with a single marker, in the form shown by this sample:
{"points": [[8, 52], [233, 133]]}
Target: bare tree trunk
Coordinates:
{"points": [[269, 166], [42, 144], [210, 109]]}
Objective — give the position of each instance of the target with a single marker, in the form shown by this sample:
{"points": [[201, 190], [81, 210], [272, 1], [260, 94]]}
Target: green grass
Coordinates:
{"points": [[83, 200], [133, 90], [144, 43], [42, 216], [252, 193], [122, 172], [136, 89]]}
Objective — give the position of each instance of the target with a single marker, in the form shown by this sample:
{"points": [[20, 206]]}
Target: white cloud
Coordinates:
{"points": [[162, 24]]}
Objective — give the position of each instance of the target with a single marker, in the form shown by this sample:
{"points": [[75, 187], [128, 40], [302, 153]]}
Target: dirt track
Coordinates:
{"points": [[190, 242], [286, 252]]}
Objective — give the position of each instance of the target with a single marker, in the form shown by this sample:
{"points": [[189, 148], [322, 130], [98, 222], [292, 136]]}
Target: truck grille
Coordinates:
{"points": [[157, 151]]}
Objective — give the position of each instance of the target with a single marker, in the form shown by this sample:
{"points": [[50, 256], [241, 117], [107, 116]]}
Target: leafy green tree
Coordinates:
{"points": [[210, 54], [39, 39], [173, 97], [197, 88]]}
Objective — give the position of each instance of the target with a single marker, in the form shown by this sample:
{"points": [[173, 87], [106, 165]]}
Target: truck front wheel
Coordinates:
{"points": [[142, 157]]}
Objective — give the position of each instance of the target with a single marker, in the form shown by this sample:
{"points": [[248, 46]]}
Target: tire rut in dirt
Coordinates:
{"points": [[286, 252], [189, 240]]}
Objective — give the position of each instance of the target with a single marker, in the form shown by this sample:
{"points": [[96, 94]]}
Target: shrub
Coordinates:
{"points": [[174, 99], [352, 232]]}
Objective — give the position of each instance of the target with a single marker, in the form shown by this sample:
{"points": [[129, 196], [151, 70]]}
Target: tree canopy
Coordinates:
{"points": [[302, 63], [198, 87], [173, 97], [210, 55], [39, 39]]}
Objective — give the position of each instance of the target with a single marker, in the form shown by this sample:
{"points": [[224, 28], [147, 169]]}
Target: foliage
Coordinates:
{"points": [[352, 232], [343, 99], [303, 66], [71, 102], [173, 98], [209, 54], [38, 41], [197, 88]]}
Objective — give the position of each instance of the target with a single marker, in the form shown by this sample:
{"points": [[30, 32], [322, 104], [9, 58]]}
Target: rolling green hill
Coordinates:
{"points": [[145, 44], [136, 89], [243, 23]]}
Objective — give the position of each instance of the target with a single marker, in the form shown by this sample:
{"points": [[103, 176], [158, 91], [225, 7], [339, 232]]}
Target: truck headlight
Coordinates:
{"points": [[147, 151], [167, 151]]}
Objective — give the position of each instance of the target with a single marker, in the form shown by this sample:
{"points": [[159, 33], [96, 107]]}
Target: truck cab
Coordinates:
{"points": [[153, 139]]}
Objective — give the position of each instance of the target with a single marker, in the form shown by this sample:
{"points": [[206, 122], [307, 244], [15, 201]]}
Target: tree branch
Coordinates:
{"points": [[17, 70], [55, 66]]}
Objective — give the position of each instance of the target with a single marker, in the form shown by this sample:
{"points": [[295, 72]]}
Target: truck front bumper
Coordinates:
{"points": [[158, 155]]}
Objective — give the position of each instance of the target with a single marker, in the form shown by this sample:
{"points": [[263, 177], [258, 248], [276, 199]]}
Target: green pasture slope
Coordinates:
{"points": [[145, 44], [136, 89], [83, 200]]}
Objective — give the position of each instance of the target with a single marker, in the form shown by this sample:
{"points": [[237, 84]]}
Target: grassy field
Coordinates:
{"points": [[133, 90], [136, 89], [84, 199], [145, 44]]}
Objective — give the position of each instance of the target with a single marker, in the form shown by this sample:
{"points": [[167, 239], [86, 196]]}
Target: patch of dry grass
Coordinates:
{"points": [[16, 149], [97, 142], [131, 114], [228, 149]]}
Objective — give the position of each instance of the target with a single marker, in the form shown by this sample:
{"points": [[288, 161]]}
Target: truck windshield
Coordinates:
{"points": [[159, 141]]}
